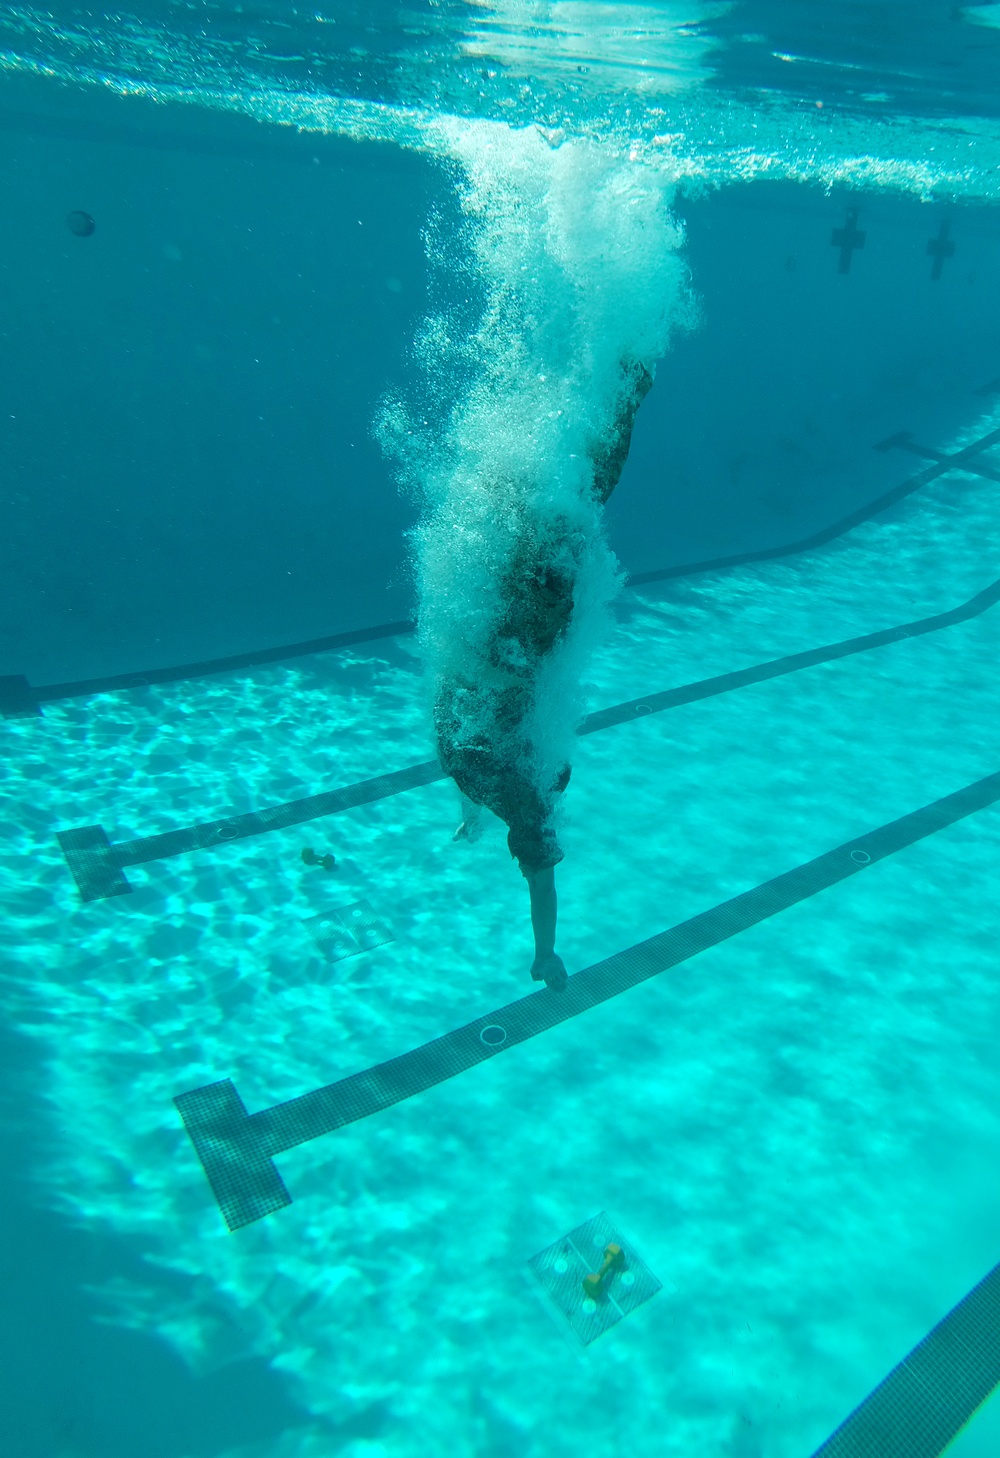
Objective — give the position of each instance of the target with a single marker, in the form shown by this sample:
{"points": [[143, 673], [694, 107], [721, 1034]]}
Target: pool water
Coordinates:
{"points": [[313, 319], [795, 1127]]}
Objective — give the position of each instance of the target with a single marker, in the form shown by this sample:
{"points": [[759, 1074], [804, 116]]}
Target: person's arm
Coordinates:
{"points": [[542, 890], [610, 454], [547, 966]]}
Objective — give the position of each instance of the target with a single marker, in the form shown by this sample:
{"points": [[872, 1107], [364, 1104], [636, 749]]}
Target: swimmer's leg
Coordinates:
{"points": [[547, 967]]}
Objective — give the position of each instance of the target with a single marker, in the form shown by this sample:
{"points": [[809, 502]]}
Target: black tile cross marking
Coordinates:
{"points": [[847, 239], [21, 700], [237, 1149], [98, 866], [939, 249], [921, 1406], [903, 441]]}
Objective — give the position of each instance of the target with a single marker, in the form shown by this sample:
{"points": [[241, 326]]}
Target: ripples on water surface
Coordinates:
{"points": [[739, 84]]}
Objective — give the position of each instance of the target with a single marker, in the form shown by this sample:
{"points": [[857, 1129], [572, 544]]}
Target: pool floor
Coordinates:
{"points": [[798, 1129]]}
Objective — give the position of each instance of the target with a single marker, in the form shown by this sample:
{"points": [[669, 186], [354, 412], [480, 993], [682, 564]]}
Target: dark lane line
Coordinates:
{"points": [[928, 1398], [236, 1150], [790, 663], [942, 464], [19, 699], [97, 864], [220, 665]]}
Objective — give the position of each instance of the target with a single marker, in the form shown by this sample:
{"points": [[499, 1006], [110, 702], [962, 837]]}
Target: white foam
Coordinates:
{"points": [[572, 69], [578, 259]]}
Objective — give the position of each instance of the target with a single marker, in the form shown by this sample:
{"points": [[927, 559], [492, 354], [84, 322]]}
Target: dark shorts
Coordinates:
{"points": [[534, 848], [504, 788], [531, 839]]}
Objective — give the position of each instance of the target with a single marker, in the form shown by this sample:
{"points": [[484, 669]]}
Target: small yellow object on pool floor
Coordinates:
{"points": [[595, 1285]]}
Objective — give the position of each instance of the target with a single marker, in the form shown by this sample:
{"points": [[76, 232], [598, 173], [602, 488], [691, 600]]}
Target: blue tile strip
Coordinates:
{"points": [[236, 1148], [94, 864], [214, 833], [920, 1407], [21, 694], [961, 461]]}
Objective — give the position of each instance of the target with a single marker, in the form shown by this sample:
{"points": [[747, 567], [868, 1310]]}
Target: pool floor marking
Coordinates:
{"points": [[939, 249], [904, 442], [97, 864], [919, 1408], [560, 1269], [26, 702], [94, 863], [957, 462], [93, 860], [237, 1149], [19, 700], [847, 239], [348, 930], [790, 663]]}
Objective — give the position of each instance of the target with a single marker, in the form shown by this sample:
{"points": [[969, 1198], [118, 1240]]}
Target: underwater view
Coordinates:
{"points": [[499, 602]]}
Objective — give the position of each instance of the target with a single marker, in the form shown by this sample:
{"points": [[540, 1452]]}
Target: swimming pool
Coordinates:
{"points": [[786, 1106]]}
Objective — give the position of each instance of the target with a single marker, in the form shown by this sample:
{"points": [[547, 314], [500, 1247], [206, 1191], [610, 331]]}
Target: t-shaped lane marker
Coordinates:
{"points": [[847, 239], [939, 249], [237, 1149]]}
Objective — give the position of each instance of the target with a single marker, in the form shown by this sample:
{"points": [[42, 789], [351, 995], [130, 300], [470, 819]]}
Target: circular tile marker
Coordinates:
{"points": [[80, 223], [227, 832], [493, 1035], [861, 857]]}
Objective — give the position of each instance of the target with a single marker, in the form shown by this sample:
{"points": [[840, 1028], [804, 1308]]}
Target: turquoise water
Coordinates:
{"points": [[796, 1129]]}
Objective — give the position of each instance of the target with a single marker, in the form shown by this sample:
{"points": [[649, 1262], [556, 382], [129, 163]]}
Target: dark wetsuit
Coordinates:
{"points": [[480, 726]]}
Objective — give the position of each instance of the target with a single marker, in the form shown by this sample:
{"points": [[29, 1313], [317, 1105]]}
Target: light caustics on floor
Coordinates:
{"points": [[797, 1131]]}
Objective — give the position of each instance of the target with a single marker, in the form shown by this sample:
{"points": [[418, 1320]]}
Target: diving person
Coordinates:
{"points": [[481, 718]]}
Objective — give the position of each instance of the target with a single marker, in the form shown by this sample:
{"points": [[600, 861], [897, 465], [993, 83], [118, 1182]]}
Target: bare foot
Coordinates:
{"points": [[551, 970]]}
